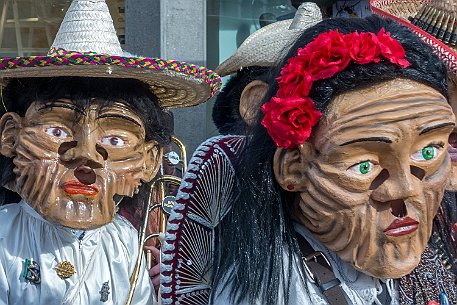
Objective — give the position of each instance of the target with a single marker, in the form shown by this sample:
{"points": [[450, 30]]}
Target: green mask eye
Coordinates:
{"points": [[365, 167], [427, 153], [362, 168]]}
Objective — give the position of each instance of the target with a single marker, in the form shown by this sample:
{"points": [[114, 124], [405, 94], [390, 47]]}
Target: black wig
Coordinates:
{"points": [[226, 109], [257, 233], [19, 94]]}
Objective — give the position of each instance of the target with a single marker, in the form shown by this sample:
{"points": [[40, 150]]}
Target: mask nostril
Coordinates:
{"points": [[419, 173], [101, 151], [453, 140], [383, 176], [398, 208], [85, 174]]}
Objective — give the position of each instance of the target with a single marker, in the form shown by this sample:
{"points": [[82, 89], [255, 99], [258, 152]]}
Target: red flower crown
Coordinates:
{"points": [[291, 114]]}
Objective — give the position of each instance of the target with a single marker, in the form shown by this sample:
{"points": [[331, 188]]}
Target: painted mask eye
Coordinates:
{"points": [[362, 168], [112, 141], [429, 152], [56, 132]]}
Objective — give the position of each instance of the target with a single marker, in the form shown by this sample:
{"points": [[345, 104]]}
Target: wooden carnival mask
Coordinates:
{"points": [[371, 178], [70, 162]]}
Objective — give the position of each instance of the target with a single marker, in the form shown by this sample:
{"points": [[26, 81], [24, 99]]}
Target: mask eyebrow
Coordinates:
{"points": [[120, 116], [63, 105], [371, 139], [430, 128]]}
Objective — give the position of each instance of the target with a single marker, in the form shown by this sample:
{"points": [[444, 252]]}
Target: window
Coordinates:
{"points": [[28, 27]]}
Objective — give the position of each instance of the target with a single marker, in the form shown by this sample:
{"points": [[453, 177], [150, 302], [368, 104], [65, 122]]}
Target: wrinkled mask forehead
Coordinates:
{"points": [[372, 106]]}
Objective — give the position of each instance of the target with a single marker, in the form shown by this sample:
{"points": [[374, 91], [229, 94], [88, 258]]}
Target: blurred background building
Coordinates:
{"points": [[203, 32]]}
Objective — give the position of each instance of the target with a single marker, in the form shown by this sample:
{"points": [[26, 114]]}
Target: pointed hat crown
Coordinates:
{"points": [[88, 27]]}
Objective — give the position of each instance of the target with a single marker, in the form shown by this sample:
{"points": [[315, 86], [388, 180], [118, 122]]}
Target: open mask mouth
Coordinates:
{"points": [[402, 224], [453, 146]]}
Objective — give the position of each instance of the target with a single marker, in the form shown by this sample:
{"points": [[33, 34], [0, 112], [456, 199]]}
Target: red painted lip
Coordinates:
{"points": [[402, 226], [74, 187]]}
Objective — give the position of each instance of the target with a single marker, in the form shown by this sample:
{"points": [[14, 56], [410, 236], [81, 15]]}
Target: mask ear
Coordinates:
{"points": [[10, 123], [250, 100], [290, 166], [152, 160]]}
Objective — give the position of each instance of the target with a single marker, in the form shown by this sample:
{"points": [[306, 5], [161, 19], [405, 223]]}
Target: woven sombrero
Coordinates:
{"points": [[434, 21], [86, 45], [266, 46]]}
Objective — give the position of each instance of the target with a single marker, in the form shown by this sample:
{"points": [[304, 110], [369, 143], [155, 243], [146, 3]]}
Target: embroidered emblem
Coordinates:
{"points": [[32, 271], [104, 292], [65, 270]]}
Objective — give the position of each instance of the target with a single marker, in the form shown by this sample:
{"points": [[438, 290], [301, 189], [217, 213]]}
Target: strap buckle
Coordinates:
{"points": [[316, 256], [319, 258]]}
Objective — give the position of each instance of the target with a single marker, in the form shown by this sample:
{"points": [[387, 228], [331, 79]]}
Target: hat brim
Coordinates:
{"points": [[176, 84], [261, 49], [447, 54]]}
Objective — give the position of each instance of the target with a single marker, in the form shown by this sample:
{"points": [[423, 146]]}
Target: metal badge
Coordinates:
{"points": [[167, 204], [32, 271], [172, 157], [104, 292], [65, 270]]}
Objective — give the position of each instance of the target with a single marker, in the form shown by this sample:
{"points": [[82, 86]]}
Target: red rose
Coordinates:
{"points": [[363, 48], [327, 55], [294, 79], [289, 121], [299, 87], [391, 49]]}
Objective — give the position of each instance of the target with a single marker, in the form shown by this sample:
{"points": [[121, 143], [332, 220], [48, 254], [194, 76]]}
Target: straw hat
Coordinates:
{"points": [[265, 46], [434, 21], [86, 45]]}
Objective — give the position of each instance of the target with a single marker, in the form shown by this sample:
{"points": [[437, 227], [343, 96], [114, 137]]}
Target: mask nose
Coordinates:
{"points": [[397, 185], [84, 157]]}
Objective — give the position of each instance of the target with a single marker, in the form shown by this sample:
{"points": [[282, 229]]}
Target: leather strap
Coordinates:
{"points": [[320, 273]]}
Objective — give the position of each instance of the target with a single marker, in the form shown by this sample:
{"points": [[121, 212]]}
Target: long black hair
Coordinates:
{"points": [[257, 233], [20, 93]]}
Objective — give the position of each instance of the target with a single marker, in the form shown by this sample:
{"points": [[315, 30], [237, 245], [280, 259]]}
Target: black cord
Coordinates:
{"points": [[348, 9]]}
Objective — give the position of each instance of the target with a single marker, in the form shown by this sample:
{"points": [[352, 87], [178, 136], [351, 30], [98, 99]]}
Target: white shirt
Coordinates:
{"points": [[104, 255], [360, 289]]}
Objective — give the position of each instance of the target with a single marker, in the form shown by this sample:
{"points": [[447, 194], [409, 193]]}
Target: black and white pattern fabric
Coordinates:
{"points": [[202, 201]]}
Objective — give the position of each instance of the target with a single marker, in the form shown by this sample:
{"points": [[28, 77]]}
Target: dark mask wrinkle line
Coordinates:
{"points": [[376, 126], [120, 116], [57, 104], [360, 131], [355, 115], [406, 102], [435, 127]]}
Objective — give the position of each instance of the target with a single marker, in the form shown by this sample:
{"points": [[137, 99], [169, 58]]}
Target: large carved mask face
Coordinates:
{"points": [[70, 162], [372, 177]]}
